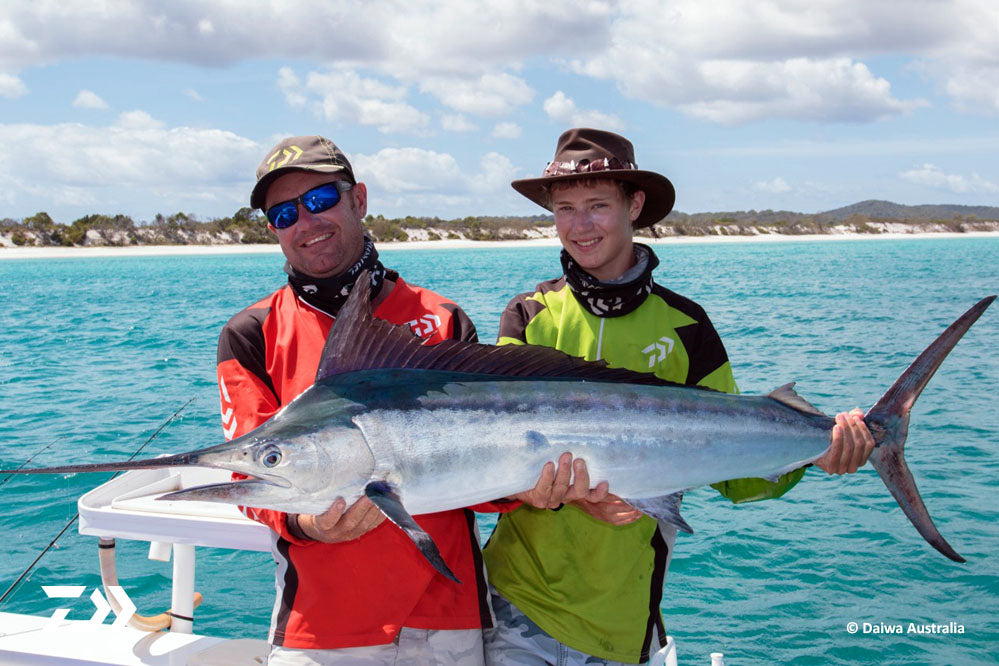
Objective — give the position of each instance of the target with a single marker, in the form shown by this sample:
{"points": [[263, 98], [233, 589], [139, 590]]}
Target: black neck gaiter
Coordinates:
{"points": [[329, 294], [615, 298]]}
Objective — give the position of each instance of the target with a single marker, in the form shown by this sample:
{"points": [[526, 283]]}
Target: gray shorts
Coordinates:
{"points": [[517, 641], [412, 646]]}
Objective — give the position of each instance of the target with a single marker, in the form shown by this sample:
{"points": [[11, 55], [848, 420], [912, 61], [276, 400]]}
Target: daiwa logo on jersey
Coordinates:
{"points": [[659, 350], [425, 325], [228, 412], [283, 156]]}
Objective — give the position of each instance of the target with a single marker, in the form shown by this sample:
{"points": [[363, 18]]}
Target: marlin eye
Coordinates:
{"points": [[271, 458]]}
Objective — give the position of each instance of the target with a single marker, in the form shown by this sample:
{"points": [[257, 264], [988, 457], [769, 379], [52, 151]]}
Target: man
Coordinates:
{"points": [[583, 583], [350, 587]]}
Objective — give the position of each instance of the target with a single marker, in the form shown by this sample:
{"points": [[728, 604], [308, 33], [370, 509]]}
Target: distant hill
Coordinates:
{"points": [[886, 210]]}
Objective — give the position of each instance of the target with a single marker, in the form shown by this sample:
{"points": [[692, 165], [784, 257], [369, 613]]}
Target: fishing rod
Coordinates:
{"points": [[77, 515], [33, 456]]}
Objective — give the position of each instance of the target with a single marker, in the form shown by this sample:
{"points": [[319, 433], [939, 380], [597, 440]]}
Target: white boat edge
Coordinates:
{"points": [[126, 508]]}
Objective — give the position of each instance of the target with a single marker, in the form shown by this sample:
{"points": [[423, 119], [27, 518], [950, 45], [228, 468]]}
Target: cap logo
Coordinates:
{"points": [[287, 154]]}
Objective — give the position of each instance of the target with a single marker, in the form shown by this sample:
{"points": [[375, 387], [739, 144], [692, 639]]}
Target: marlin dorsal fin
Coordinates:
{"points": [[358, 341], [786, 395]]}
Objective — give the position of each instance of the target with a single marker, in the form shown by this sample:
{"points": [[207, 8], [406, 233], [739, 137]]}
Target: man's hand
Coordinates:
{"points": [[851, 445], [337, 525], [612, 509], [559, 485]]}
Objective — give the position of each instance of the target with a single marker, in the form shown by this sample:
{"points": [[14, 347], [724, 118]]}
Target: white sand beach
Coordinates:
{"points": [[174, 250]]}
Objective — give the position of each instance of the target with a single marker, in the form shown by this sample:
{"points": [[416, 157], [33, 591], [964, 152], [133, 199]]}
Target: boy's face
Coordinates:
{"points": [[593, 221]]}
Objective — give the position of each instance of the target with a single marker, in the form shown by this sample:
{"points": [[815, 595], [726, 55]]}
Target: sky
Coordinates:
{"points": [[143, 107]]}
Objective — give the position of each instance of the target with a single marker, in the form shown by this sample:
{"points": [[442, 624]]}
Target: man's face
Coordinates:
{"points": [[320, 244], [594, 224]]}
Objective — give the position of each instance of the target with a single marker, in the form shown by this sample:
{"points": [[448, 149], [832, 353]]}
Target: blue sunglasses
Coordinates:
{"points": [[316, 200]]}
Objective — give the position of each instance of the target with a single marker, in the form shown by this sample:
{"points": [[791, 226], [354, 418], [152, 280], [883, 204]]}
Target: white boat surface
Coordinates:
{"points": [[126, 507]]}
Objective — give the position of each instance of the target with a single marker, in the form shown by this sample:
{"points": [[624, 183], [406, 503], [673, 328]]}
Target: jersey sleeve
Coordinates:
{"points": [[248, 399], [518, 314], [462, 327]]}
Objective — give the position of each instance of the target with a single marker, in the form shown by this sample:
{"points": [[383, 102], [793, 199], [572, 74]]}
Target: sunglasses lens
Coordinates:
{"points": [[316, 200], [283, 215], [321, 198]]}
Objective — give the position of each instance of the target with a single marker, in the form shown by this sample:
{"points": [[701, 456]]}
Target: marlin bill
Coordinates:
{"points": [[420, 429]]}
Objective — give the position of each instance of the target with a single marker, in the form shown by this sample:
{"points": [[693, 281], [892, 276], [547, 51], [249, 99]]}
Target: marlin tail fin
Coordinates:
{"points": [[888, 421]]}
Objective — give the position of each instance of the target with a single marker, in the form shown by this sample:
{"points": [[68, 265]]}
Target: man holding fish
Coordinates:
{"points": [[582, 583], [344, 593]]}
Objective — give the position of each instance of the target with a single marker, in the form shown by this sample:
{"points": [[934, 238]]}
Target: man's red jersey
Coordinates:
{"points": [[364, 591]]}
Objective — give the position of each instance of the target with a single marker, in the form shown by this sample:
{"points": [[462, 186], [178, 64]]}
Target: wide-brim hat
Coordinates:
{"points": [[299, 153], [590, 153]]}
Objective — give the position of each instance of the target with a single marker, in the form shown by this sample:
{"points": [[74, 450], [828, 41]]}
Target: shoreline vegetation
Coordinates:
{"points": [[94, 251], [246, 230]]}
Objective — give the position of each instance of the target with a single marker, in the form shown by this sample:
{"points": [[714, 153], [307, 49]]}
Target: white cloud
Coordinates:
{"points": [[507, 130], [12, 87], [964, 60], [563, 109], [341, 95], [135, 158], [828, 90], [734, 62], [417, 38], [733, 91], [933, 176], [193, 94], [396, 170], [497, 172], [728, 61], [458, 37], [854, 147], [289, 84], [411, 181], [776, 186], [457, 123], [138, 120], [973, 89], [87, 99], [492, 94]]}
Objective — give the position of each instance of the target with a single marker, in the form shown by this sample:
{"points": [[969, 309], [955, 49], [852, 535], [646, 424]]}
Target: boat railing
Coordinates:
{"points": [[128, 507]]}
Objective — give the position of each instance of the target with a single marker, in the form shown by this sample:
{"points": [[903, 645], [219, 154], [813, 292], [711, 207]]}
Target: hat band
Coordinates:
{"points": [[586, 166]]}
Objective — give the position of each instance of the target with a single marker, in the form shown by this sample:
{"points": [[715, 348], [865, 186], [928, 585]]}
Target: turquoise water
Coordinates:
{"points": [[96, 353]]}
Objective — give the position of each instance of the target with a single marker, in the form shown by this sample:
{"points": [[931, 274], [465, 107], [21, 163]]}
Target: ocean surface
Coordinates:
{"points": [[96, 353]]}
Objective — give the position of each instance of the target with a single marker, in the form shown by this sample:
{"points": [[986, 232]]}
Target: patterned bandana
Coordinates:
{"points": [[329, 294], [615, 298]]}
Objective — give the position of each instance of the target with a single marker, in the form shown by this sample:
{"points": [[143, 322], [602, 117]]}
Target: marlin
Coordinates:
{"points": [[420, 429]]}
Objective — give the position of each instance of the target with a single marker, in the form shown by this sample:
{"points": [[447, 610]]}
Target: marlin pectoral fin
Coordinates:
{"points": [[245, 492], [665, 509], [385, 498]]}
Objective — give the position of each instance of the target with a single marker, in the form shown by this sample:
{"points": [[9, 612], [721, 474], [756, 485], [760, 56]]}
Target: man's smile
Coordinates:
{"points": [[317, 239]]}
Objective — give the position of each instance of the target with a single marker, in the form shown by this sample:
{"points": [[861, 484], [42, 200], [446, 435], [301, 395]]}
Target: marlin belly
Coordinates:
{"points": [[470, 441]]}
